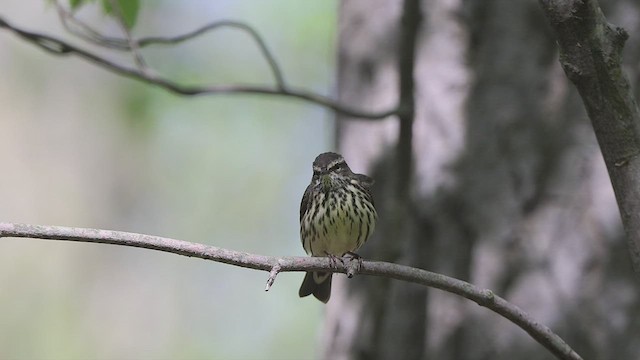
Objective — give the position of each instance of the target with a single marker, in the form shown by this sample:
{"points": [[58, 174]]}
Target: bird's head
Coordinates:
{"points": [[329, 169]]}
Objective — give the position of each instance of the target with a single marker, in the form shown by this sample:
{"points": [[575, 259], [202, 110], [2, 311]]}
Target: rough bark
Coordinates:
{"points": [[591, 56], [509, 190]]}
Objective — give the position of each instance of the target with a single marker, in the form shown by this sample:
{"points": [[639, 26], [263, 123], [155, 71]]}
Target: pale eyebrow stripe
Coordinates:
{"points": [[335, 162]]}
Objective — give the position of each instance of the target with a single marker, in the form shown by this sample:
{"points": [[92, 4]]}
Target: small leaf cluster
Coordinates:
{"points": [[128, 8]]}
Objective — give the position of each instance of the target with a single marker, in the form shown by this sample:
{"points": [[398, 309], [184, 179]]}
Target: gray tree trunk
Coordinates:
{"points": [[509, 191]]}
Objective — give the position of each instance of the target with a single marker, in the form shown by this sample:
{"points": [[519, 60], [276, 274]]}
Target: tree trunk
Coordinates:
{"points": [[509, 189]]}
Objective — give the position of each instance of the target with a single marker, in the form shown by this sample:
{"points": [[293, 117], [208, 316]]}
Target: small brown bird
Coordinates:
{"points": [[337, 216]]}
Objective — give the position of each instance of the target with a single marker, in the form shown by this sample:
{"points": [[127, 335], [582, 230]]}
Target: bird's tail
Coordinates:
{"points": [[318, 284]]}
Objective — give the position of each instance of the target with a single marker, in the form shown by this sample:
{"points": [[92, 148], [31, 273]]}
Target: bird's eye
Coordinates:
{"points": [[337, 167]]}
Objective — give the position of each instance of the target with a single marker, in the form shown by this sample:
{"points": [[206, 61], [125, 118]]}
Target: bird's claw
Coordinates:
{"points": [[333, 260], [353, 256]]}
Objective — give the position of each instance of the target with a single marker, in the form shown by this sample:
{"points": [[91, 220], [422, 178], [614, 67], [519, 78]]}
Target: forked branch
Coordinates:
{"points": [[85, 32], [60, 47], [275, 265]]}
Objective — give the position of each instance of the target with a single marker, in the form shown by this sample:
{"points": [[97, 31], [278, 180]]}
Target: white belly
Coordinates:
{"points": [[336, 230]]}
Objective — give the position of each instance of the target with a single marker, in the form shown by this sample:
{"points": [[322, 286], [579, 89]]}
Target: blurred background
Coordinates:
{"points": [[499, 181], [83, 147]]}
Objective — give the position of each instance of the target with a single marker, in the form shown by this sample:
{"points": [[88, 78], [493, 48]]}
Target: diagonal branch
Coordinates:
{"points": [[274, 265], [60, 47], [591, 56]]}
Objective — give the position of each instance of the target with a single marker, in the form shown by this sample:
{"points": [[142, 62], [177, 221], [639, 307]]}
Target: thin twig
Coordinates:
{"points": [[87, 33], [274, 265], [60, 47], [133, 45], [275, 270], [262, 45], [81, 29]]}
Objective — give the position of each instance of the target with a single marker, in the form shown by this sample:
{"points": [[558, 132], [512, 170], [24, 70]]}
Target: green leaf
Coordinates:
{"points": [[129, 9], [106, 7], [75, 4]]}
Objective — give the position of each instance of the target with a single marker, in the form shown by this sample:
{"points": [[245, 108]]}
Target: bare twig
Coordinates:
{"points": [[83, 30], [87, 33], [275, 270], [262, 45], [133, 45], [60, 47], [275, 265]]}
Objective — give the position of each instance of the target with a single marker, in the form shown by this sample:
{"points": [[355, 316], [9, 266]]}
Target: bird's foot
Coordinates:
{"points": [[333, 260], [358, 265]]}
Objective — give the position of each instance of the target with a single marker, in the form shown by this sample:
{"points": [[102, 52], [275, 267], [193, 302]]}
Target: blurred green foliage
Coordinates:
{"points": [[85, 147], [128, 8]]}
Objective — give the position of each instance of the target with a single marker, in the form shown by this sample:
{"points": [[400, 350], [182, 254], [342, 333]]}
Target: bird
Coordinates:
{"points": [[337, 216]]}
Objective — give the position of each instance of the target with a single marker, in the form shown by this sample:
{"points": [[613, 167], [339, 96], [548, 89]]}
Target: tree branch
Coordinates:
{"points": [[87, 33], [409, 29], [591, 56], [59, 47], [275, 265]]}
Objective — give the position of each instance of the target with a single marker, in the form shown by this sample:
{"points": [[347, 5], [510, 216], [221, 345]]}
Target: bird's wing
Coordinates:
{"points": [[304, 205], [364, 180]]}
